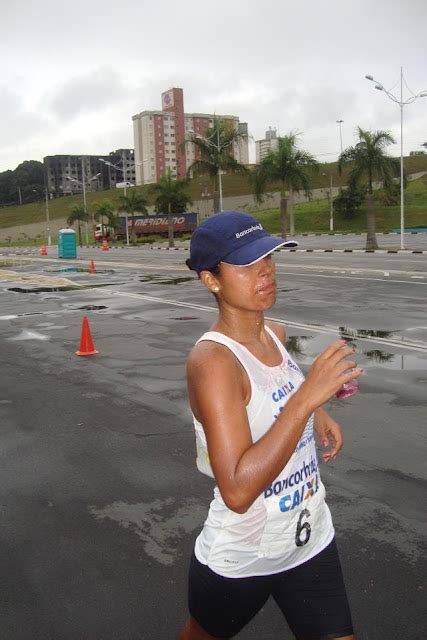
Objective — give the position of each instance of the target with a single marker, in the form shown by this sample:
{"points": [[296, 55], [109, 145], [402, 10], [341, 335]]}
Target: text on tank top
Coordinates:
{"points": [[289, 522]]}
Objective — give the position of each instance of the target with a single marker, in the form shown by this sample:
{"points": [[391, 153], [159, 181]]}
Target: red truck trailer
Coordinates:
{"points": [[148, 225]]}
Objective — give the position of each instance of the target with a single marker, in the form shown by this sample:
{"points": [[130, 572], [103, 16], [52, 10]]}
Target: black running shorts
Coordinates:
{"points": [[312, 598]]}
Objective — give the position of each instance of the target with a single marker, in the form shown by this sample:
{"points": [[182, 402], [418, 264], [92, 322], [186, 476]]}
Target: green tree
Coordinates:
{"points": [[368, 161], [348, 202], [104, 211], [290, 166], [171, 196], [79, 215], [216, 148], [133, 203], [23, 184]]}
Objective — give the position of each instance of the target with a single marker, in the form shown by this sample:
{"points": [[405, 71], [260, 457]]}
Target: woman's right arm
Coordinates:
{"points": [[216, 384]]}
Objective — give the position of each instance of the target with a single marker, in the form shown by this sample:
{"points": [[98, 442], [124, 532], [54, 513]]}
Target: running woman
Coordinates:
{"points": [[269, 530]]}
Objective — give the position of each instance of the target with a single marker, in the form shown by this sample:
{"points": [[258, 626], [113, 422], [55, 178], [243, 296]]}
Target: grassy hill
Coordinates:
{"points": [[314, 216], [310, 217]]}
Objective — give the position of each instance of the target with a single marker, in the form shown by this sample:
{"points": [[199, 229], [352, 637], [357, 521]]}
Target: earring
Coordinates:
{"points": [[216, 289]]}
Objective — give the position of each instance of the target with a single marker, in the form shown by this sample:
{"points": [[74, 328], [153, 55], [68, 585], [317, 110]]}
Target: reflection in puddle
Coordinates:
{"points": [[77, 270], [154, 279], [345, 332], [35, 289], [295, 345], [305, 348]]}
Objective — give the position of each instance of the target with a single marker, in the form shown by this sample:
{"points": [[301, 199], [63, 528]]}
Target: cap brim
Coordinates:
{"points": [[256, 250]]}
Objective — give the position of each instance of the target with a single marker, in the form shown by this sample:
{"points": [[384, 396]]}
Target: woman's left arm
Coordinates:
{"points": [[329, 433]]}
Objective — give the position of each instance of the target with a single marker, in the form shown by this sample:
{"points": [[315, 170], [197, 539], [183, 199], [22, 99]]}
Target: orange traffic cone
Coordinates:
{"points": [[43, 251], [92, 266], [87, 347], [105, 246]]}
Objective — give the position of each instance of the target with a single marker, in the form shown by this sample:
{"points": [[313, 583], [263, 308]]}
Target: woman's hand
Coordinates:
{"points": [[329, 434], [328, 373]]}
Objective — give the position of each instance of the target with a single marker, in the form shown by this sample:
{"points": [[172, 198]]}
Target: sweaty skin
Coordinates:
{"points": [[242, 468]]}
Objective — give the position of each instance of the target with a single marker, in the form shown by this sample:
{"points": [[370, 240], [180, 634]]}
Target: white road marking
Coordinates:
{"points": [[411, 345], [318, 275]]}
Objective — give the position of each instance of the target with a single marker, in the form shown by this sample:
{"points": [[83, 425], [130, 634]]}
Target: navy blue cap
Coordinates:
{"points": [[234, 238]]}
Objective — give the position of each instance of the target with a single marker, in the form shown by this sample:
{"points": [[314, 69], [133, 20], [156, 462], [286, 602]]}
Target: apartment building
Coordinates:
{"points": [[263, 147], [159, 138], [64, 174]]}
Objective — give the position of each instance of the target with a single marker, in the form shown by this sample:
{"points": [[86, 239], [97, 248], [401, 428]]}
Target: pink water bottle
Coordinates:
{"points": [[347, 390]]}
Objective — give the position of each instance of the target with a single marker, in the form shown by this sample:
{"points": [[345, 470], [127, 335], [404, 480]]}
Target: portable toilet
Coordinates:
{"points": [[67, 243]]}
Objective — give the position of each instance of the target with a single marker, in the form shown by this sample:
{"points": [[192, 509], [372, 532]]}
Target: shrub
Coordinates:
{"points": [[348, 202]]}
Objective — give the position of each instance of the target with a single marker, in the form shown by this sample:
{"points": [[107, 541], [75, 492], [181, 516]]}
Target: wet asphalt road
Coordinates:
{"points": [[100, 500]]}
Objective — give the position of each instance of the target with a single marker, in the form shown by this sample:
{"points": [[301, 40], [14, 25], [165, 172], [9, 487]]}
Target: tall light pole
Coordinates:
{"points": [[83, 183], [49, 239], [331, 204], [340, 123], [401, 103], [123, 170], [219, 148]]}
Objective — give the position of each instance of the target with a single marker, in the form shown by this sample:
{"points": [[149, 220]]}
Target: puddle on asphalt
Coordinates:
{"points": [[345, 332], [154, 279], [77, 287], [304, 348], [77, 270], [28, 335], [40, 289]]}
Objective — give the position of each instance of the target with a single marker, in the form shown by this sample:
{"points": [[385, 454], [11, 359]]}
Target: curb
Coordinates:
{"points": [[353, 233], [404, 251]]}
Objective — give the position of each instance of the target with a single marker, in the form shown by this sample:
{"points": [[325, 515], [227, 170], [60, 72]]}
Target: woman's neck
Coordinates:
{"points": [[243, 326]]}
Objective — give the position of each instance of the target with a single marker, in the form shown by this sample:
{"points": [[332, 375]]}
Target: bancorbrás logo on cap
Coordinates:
{"points": [[256, 227], [231, 237]]}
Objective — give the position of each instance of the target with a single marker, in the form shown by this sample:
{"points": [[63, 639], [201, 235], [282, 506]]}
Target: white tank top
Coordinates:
{"points": [[290, 521]]}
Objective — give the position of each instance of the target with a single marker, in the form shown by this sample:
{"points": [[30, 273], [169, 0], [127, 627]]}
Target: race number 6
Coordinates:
{"points": [[303, 532]]}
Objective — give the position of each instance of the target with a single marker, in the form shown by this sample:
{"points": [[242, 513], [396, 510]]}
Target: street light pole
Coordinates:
{"points": [[123, 170], [331, 204], [49, 239], [216, 146], [340, 123], [83, 183], [84, 201], [219, 171], [401, 103]]}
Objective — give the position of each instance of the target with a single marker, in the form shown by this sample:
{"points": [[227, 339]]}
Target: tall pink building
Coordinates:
{"points": [[158, 138]]}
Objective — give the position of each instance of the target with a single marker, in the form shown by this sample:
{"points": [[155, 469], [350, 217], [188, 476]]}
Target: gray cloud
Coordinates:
{"points": [[288, 65], [96, 90], [17, 122]]}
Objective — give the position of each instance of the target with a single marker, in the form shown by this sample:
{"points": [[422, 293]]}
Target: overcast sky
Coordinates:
{"points": [[73, 73]]}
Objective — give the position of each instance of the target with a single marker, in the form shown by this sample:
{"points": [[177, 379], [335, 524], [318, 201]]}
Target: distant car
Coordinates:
{"points": [[122, 185]]}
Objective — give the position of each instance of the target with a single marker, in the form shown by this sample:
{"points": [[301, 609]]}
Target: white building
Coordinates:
{"points": [[159, 138], [263, 147]]}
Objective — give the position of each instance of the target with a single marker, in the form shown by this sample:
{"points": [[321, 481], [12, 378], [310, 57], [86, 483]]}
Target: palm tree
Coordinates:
{"points": [[171, 197], [291, 167], [216, 149], [104, 210], [133, 203], [369, 160], [77, 214]]}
